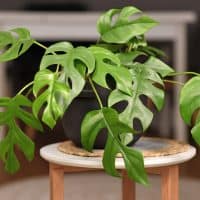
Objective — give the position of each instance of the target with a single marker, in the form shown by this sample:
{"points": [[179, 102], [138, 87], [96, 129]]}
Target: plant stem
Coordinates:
{"points": [[25, 87], [40, 45], [95, 92], [130, 47], [44, 47], [174, 82], [184, 73]]}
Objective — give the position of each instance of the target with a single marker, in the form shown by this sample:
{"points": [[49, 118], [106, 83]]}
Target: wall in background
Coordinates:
{"points": [[105, 4]]}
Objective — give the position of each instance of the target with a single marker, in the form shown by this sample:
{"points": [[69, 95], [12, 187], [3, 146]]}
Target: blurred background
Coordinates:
{"points": [[49, 21]]}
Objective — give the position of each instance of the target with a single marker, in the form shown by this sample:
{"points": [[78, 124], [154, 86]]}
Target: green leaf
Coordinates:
{"points": [[14, 109], [152, 51], [108, 118], [72, 60], [189, 104], [159, 66], [53, 94], [108, 63], [144, 79], [123, 28], [128, 57], [12, 164], [13, 46]]}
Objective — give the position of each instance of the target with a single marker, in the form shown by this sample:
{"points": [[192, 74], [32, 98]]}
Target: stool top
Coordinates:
{"points": [[153, 150]]}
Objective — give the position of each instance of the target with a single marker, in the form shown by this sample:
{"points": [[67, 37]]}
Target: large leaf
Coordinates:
{"points": [[69, 58], [108, 118], [108, 63], [123, 28], [14, 109], [12, 47], [53, 94], [144, 79], [190, 104]]}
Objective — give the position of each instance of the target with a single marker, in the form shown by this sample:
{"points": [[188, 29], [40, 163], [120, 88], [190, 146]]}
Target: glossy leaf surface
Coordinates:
{"points": [[108, 118], [123, 28], [158, 66], [189, 104], [108, 63], [14, 109], [13, 46], [66, 56], [144, 77], [51, 93]]}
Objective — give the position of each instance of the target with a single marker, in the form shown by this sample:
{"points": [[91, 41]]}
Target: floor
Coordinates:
{"points": [[92, 186]]}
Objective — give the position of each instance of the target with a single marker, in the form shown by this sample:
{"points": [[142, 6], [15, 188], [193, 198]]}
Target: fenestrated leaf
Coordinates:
{"points": [[108, 63], [51, 93], [123, 28], [13, 46], [14, 108], [108, 118], [66, 56], [144, 79], [189, 104]]}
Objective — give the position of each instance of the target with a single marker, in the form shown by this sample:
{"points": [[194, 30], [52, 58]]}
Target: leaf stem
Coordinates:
{"points": [[44, 47], [40, 45], [25, 87], [95, 92], [183, 73], [173, 82], [130, 47]]}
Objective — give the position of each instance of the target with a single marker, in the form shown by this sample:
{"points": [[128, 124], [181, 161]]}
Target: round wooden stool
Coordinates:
{"points": [[161, 157]]}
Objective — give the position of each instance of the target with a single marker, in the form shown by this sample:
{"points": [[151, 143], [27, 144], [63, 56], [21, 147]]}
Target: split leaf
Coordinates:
{"points": [[15, 109], [51, 93], [108, 63], [13, 46], [72, 60], [123, 28], [108, 118], [145, 77]]}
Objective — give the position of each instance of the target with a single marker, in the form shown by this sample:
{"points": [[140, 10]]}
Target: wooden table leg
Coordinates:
{"points": [[128, 187], [170, 183], [56, 173]]}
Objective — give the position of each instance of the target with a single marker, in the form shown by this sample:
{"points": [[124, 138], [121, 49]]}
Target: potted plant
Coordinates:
{"points": [[122, 63]]}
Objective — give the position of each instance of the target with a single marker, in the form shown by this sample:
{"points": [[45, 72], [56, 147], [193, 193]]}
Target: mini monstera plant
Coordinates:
{"points": [[63, 72]]}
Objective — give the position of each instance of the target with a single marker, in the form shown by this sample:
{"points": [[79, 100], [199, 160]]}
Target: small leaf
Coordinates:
{"points": [[189, 104], [128, 57], [14, 46], [123, 29], [152, 51], [159, 66]]}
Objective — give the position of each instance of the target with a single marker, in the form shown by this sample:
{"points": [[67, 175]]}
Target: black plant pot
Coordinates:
{"points": [[74, 115]]}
